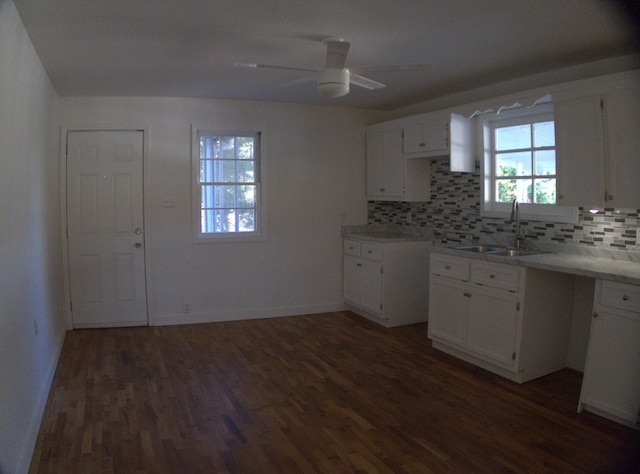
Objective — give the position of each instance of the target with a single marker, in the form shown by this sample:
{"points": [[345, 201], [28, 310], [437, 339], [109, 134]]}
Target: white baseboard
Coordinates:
{"points": [[240, 315]]}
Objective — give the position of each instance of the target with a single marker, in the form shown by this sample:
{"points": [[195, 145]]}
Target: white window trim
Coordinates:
{"points": [[261, 202], [489, 208]]}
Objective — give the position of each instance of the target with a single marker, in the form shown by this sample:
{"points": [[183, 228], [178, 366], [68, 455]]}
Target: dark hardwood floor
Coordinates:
{"points": [[320, 393]]}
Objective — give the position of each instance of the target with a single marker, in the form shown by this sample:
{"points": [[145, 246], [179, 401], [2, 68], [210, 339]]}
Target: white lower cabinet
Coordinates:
{"points": [[512, 321], [387, 282], [611, 384]]}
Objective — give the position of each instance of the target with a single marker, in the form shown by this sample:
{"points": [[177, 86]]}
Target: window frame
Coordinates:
{"points": [[259, 234], [488, 205]]}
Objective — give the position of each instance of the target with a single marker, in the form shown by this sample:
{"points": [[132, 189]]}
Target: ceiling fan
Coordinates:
{"points": [[334, 78]]}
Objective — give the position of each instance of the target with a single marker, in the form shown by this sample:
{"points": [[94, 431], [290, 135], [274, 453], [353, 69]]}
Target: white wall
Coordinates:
{"points": [[30, 255], [314, 158]]}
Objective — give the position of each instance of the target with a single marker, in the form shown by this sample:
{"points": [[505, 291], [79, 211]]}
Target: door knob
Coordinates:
{"points": [[138, 245], [138, 231]]}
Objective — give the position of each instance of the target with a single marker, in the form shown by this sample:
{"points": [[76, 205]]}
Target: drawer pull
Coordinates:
{"points": [[369, 252], [358, 264], [447, 267], [625, 298], [595, 315], [492, 276], [468, 295]]}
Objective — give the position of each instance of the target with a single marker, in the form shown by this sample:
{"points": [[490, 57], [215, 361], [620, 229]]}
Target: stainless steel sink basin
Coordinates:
{"points": [[518, 252], [480, 248], [499, 251]]}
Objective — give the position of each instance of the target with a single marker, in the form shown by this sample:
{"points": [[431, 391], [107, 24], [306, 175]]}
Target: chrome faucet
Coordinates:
{"points": [[515, 216]]}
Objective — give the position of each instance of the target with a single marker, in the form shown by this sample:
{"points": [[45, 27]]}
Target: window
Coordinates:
{"points": [[524, 160], [228, 188], [520, 163]]}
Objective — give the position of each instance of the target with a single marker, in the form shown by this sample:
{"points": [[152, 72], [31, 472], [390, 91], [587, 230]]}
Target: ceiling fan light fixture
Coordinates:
{"points": [[333, 82]]}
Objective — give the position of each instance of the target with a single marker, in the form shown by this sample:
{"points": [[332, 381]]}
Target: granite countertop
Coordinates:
{"points": [[385, 233], [620, 266]]}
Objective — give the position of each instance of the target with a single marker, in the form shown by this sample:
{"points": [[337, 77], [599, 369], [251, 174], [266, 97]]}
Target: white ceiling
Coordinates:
{"points": [[187, 48]]}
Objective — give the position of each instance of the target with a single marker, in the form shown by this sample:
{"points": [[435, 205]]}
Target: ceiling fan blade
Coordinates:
{"points": [[269, 66], [391, 68], [365, 82], [337, 50]]}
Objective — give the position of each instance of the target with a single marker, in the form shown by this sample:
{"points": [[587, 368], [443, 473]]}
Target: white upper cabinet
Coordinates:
{"points": [[438, 135], [384, 164], [390, 176], [427, 138], [598, 144]]}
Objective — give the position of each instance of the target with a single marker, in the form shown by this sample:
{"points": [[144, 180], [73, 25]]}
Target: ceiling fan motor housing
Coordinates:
{"points": [[333, 82]]}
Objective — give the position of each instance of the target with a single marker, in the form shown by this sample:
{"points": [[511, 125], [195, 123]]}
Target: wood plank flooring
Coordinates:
{"points": [[313, 393]]}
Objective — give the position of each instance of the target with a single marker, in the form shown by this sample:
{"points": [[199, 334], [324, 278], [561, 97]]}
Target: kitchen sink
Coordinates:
{"points": [[499, 251], [480, 248], [510, 252]]}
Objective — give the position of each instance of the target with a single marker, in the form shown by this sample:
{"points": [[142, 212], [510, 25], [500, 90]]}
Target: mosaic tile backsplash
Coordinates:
{"points": [[454, 216]]}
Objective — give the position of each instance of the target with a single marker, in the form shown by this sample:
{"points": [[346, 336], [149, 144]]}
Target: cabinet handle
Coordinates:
{"points": [[358, 264], [625, 298], [492, 276], [595, 315], [468, 295], [422, 144], [560, 196], [381, 190], [447, 267]]}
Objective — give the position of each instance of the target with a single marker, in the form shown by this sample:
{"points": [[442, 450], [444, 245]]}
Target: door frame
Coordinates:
{"points": [[64, 130]]}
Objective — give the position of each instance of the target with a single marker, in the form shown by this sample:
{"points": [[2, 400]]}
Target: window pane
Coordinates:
{"points": [[544, 134], [514, 137], [545, 162], [509, 189], [513, 164], [245, 148], [246, 220], [220, 220], [218, 196], [246, 171], [505, 190], [246, 196], [545, 191]]}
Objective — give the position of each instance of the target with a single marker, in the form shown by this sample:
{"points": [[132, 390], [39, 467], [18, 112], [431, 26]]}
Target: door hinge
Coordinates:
{"points": [[71, 306], [381, 269], [602, 104], [380, 306], [518, 306], [513, 356]]}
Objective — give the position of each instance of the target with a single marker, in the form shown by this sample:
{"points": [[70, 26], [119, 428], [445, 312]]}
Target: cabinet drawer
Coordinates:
{"points": [[496, 276], [371, 251], [621, 296], [351, 247], [450, 267]]}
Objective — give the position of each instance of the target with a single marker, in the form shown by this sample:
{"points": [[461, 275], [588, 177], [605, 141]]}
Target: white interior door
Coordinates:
{"points": [[105, 228]]}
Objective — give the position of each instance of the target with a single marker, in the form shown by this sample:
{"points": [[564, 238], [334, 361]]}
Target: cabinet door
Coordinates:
{"points": [[375, 164], [612, 372], [622, 112], [448, 307], [351, 287], [384, 164], [492, 325], [429, 138], [579, 151], [371, 278]]}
